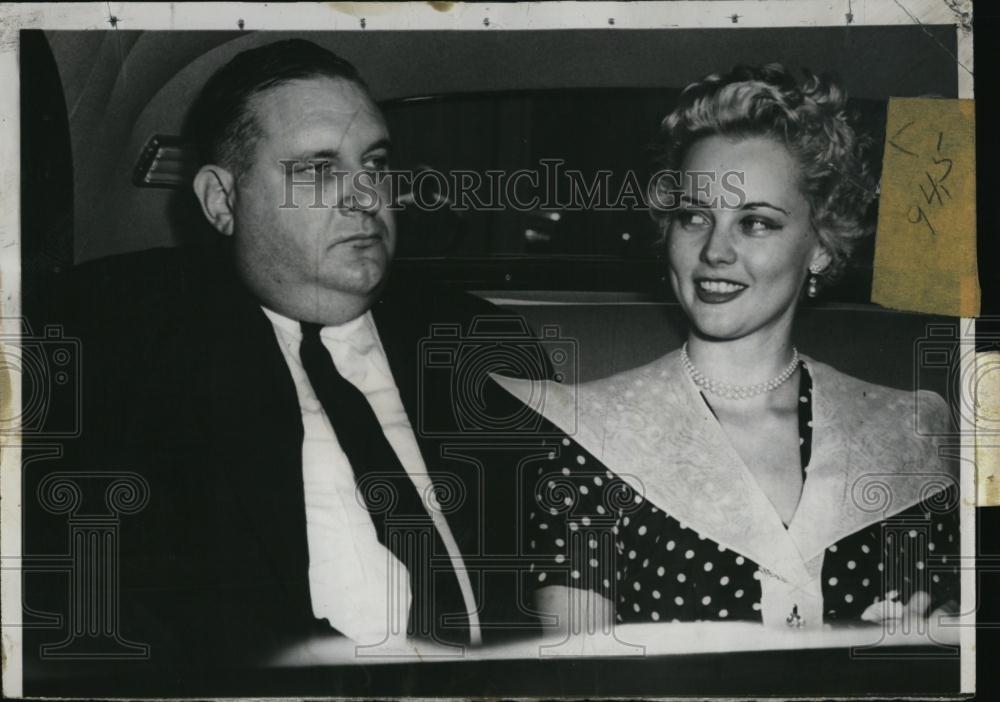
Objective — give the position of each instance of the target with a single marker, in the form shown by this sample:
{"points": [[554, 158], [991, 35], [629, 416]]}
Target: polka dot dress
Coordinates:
{"points": [[589, 529]]}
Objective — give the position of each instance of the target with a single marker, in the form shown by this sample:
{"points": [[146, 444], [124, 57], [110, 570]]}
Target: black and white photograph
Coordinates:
{"points": [[543, 350]]}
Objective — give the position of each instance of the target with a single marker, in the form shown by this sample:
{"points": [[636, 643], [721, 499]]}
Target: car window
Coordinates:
{"points": [[545, 190]]}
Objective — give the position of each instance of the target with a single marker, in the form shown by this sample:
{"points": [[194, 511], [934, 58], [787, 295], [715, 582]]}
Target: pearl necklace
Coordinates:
{"points": [[733, 391]]}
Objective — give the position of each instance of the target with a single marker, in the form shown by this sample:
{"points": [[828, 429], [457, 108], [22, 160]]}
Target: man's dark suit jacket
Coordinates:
{"points": [[184, 383]]}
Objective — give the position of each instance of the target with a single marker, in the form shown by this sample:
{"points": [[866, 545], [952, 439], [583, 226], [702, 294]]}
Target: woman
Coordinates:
{"points": [[745, 481]]}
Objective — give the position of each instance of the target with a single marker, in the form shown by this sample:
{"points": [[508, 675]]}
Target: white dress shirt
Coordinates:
{"points": [[355, 583]]}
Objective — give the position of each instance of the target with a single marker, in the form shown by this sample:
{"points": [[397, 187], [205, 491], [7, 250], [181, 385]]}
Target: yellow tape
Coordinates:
{"points": [[925, 249], [8, 413]]}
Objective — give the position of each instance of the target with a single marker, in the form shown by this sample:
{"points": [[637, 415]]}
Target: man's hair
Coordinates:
{"points": [[222, 120], [809, 117]]}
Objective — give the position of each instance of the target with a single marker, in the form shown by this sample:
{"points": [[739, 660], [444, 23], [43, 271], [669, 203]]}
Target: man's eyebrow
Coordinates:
{"points": [[330, 154], [762, 203], [333, 154], [380, 144]]}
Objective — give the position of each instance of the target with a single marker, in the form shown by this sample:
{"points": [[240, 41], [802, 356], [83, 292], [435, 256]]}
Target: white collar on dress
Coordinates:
{"points": [[873, 455]]}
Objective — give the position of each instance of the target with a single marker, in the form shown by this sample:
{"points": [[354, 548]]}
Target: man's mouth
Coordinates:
{"points": [[363, 240], [717, 290]]}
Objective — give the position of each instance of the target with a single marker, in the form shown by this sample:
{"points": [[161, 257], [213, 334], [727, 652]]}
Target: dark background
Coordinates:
{"points": [[986, 23], [592, 97]]}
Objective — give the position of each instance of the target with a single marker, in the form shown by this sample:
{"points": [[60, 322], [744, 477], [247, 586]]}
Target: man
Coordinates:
{"points": [[269, 389]]}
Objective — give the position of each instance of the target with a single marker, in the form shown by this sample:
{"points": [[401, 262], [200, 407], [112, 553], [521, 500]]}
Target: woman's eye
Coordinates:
{"points": [[693, 219], [758, 225]]}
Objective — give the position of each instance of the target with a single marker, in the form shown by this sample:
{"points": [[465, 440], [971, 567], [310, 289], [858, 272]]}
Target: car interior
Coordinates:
{"points": [[465, 100], [107, 164]]}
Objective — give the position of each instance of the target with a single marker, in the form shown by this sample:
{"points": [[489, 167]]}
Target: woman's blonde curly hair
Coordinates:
{"points": [[809, 117]]}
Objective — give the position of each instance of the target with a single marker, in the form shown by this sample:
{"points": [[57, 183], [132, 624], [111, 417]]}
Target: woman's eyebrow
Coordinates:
{"points": [[692, 201], [761, 203]]}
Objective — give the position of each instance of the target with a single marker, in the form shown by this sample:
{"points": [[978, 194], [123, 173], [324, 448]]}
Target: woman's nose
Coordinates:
{"points": [[718, 248]]}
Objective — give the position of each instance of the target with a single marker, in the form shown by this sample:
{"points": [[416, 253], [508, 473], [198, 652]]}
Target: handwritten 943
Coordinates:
{"points": [[931, 191]]}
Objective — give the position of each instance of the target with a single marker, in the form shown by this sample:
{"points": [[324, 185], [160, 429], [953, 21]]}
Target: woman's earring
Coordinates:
{"points": [[813, 282]]}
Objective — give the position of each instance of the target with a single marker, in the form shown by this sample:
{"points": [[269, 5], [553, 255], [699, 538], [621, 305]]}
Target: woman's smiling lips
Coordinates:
{"points": [[716, 291]]}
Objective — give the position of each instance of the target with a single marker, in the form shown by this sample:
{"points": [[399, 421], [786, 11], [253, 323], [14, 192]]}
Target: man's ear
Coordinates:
{"points": [[215, 188]]}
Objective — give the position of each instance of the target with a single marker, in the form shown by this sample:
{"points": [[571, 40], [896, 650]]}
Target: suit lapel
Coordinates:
{"points": [[258, 435], [401, 326], [400, 333]]}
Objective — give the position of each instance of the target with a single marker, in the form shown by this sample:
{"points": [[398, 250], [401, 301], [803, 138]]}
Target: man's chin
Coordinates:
{"points": [[365, 281]]}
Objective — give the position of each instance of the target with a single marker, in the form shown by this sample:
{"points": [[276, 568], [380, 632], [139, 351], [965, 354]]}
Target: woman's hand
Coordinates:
{"points": [[941, 621], [892, 608]]}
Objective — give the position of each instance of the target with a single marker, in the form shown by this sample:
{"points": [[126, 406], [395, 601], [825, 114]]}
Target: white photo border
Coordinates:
{"points": [[411, 17]]}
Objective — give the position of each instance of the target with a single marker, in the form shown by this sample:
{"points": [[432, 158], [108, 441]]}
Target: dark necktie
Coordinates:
{"points": [[401, 521]]}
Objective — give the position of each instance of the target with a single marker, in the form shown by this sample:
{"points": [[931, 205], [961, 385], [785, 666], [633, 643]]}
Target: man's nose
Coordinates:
{"points": [[360, 193], [718, 248]]}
